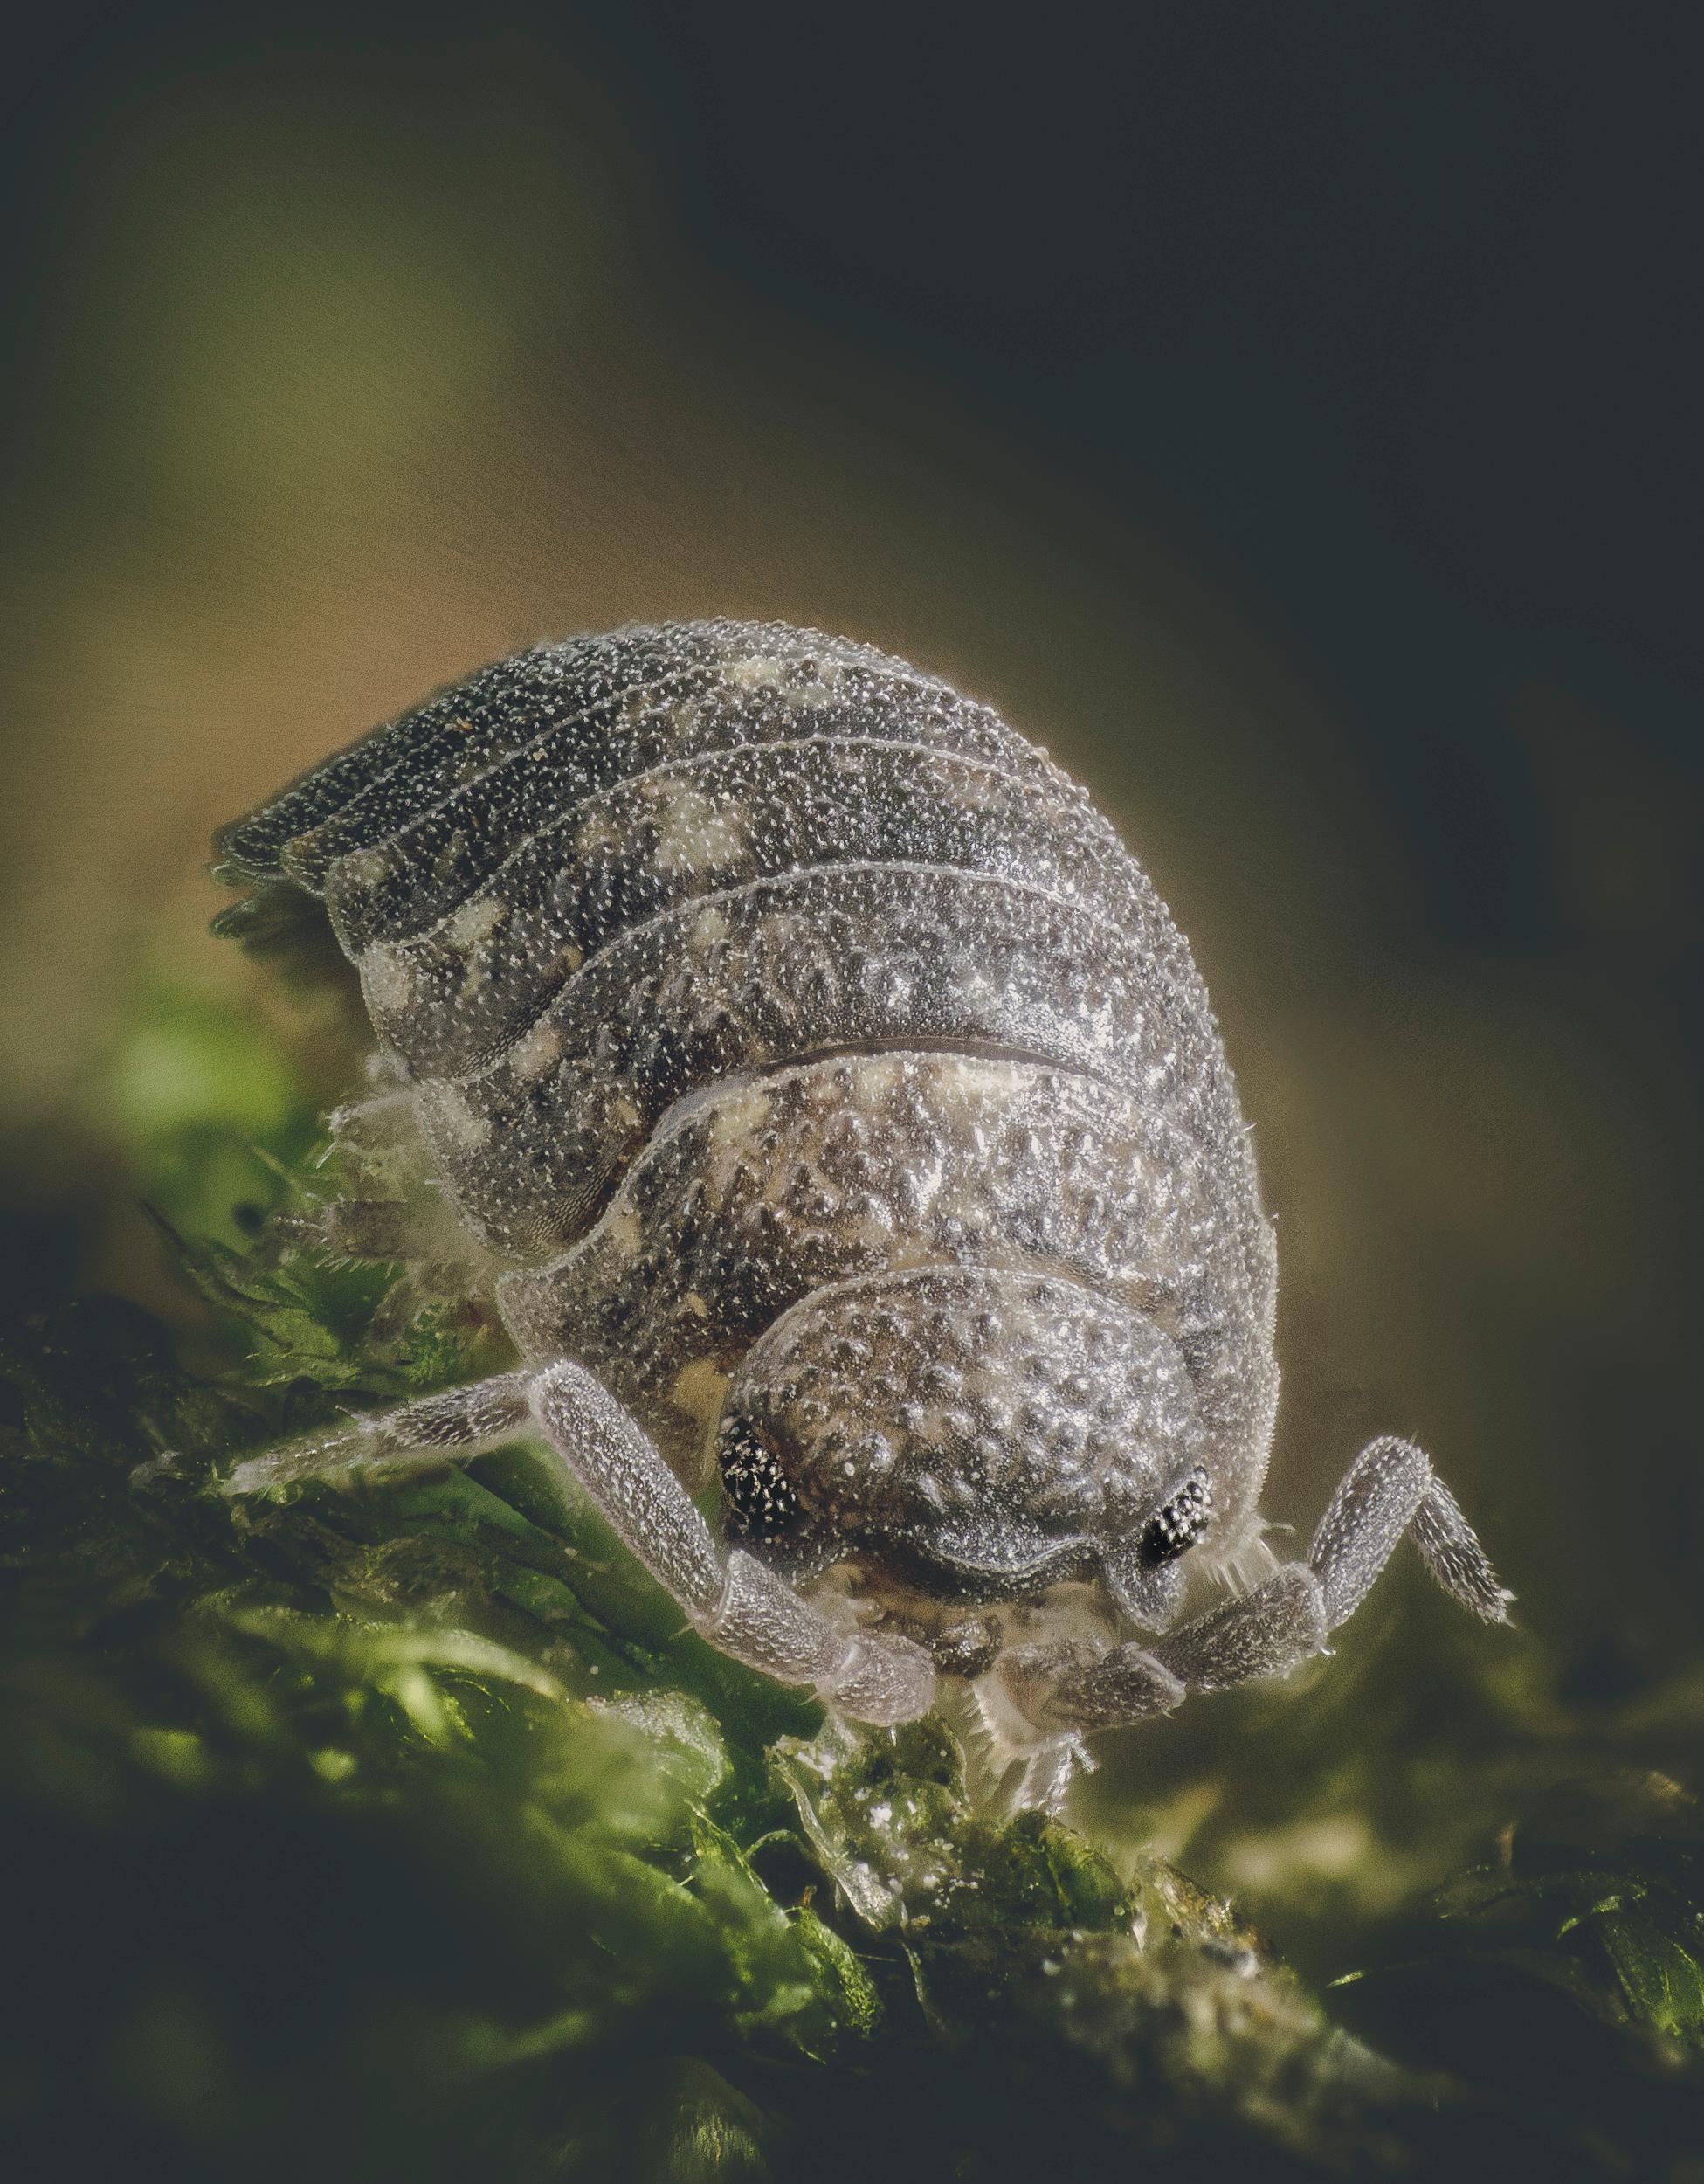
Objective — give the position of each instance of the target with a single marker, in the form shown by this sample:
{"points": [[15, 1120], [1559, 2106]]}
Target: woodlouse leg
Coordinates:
{"points": [[1390, 1492], [371, 1230], [460, 1422], [736, 1602], [1266, 1632]]}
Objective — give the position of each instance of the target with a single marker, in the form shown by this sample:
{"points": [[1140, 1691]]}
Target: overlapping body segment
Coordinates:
{"points": [[450, 998], [584, 693], [755, 978], [768, 1191], [420, 871], [832, 1109]]}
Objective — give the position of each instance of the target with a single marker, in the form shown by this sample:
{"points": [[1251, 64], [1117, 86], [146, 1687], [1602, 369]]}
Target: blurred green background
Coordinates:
{"points": [[1288, 422], [1289, 417]]}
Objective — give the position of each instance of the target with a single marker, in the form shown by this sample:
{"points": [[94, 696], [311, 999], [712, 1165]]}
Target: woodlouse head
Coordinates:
{"points": [[988, 1435]]}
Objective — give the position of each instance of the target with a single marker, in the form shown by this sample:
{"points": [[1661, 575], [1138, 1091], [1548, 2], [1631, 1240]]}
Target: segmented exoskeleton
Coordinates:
{"points": [[829, 1108]]}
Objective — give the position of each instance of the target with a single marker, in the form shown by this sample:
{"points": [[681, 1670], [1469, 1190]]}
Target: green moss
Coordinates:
{"points": [[407, 1833]]}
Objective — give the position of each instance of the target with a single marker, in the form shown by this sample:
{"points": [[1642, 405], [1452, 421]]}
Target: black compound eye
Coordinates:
{"points": [[762, 1503], [1183, 1520]]}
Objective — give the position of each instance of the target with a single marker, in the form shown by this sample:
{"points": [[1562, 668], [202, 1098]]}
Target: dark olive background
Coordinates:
{"points": [[1289, 415]]}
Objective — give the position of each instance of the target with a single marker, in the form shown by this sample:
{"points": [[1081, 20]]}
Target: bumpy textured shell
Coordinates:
{"points": [[771, 1013]]}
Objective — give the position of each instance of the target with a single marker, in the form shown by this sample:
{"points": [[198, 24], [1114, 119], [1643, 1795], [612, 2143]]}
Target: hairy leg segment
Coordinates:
{"points": [[733, 1600]]}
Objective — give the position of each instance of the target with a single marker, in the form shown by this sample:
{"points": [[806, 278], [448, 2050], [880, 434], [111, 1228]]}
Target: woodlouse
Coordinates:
{"points": [[828, 1105]]}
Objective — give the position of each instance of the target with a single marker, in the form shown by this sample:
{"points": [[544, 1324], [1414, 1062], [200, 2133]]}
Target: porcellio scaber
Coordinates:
{"points": [[803, 1070]]}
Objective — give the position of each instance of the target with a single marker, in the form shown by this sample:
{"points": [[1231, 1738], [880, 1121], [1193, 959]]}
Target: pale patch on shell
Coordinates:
{"points": [[756, 672], [387, 979], [360, 869], [698, 1390], [710, 929], [625, 1114], [696, 834], [621, 1229], [535, 1051], [739, 1121], [462, 1125], [475, 922], [471, 928]]}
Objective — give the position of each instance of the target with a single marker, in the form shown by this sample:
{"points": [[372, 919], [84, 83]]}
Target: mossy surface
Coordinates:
{"points": [[406, 1832]]}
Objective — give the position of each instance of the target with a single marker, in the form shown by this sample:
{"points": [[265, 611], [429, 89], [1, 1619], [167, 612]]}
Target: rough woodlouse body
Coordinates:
{"points": [[828, 1104]]}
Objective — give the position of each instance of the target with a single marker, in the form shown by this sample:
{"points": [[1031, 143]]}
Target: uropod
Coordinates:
{"points": [[800, 1067]]}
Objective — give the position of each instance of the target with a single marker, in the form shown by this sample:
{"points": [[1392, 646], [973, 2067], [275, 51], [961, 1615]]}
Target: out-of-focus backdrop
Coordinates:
{"points": [[1288, 416]]}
